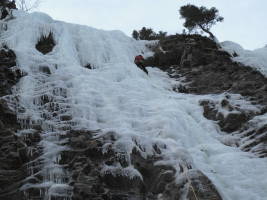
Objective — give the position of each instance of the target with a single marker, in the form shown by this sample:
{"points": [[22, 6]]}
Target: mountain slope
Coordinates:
{"points": [[112, 132]]}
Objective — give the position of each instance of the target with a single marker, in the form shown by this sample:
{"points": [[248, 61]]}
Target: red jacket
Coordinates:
{"points": [[139, 59]]}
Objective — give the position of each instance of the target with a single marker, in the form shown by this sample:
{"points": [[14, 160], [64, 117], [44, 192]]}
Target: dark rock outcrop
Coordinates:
{"points": [[254, 138], [5, 7], [46, 44], [88, 66], [230, 122], [99, 172], [9, 73], [12, 148], [207, 68]]}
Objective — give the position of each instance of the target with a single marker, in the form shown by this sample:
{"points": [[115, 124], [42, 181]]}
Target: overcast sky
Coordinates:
{"points": [[245, 21]]}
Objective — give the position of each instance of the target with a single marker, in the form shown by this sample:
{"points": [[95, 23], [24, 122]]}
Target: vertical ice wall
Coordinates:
{"points": [[44, 92]]}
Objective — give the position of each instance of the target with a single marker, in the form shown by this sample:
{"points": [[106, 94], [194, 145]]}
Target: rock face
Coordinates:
{"points": [[5, 7], [12, 148], [9, 74], [205, 68], [105, 174], [231, 122]]}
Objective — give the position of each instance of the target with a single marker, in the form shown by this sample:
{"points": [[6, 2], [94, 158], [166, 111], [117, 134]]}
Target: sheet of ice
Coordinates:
{"points": [[256, 58], [118, 96]]}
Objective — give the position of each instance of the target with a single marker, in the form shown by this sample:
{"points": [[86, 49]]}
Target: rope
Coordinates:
{"points": [[190, 185]]}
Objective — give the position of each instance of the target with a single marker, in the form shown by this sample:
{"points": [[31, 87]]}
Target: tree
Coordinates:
{"points": [[148, 34], [135, 34], [28, 5], [160, 35], [200, 17]]}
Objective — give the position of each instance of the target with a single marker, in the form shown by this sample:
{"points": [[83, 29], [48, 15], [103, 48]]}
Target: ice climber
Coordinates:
{"points": [[139, 61]]}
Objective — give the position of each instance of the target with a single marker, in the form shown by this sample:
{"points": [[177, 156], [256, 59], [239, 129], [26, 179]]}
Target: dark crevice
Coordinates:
{"points": [[46, 44]]}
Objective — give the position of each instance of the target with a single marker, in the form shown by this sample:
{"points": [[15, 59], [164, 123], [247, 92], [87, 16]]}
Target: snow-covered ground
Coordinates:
{"points": [[256, 58], [117, 96]]}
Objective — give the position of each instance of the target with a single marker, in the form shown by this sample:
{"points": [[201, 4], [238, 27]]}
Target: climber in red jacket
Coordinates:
{"points": [[139, 61]]}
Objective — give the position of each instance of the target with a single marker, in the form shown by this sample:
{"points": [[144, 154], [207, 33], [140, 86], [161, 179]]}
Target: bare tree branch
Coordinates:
{"points": [[28, 5]]}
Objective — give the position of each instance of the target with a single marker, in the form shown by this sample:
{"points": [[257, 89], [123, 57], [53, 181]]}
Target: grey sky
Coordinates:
{"points": [[245, 20]]}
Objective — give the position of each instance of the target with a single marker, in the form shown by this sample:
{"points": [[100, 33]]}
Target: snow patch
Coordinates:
{"points": [[256, 58]]}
